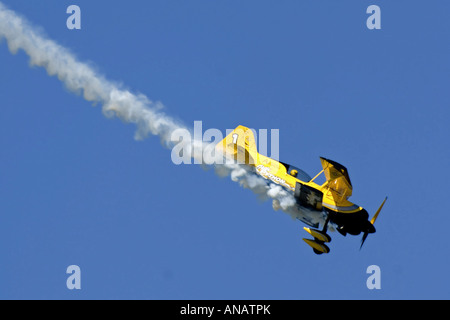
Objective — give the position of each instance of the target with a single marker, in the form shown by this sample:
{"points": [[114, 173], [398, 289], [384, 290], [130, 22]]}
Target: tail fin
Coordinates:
{"points": [[240, 145]]}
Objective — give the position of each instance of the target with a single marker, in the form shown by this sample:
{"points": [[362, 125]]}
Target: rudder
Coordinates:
{"points": [[240, 145]]}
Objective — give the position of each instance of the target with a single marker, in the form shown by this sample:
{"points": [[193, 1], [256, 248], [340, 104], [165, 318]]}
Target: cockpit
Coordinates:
{"points": [[297, 173]]}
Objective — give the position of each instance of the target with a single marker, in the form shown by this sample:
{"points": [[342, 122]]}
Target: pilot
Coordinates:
{"points": [[294, 173]]}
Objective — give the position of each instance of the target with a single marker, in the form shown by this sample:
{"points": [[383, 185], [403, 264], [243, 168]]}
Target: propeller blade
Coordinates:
{"points": [[363, 239], [375, 216], [378, 211]]}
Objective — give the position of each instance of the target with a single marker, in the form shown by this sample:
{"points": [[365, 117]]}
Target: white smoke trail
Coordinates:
{"points": [[80, 78]]}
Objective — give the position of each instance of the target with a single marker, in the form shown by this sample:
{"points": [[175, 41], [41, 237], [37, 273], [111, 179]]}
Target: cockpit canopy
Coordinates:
{"points": [[297, 173]]}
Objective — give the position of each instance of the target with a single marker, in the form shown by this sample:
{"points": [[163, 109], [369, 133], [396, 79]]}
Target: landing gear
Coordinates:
{"points": [[320, 238], [318, 246], [320, 252]]}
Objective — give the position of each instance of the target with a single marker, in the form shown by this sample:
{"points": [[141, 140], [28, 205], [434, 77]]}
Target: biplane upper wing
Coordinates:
{"points": [[338, 180]]}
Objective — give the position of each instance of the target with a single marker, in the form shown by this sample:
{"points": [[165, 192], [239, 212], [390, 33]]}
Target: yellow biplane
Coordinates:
{"points": [[329, 199]]}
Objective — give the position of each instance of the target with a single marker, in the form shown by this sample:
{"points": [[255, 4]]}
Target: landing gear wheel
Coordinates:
{"points": [[320, 252], [317, 252], [323, 236], [318, 247], [318, 235], [320, 238]]}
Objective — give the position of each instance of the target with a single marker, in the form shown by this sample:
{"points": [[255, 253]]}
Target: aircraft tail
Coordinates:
{"points": [[240, 145]]}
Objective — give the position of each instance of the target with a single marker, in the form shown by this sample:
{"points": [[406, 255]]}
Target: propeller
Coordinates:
{"points": [[375, 216]]}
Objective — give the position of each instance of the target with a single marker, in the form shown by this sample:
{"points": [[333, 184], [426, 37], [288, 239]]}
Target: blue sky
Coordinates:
{"points": [[76, 188]]}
